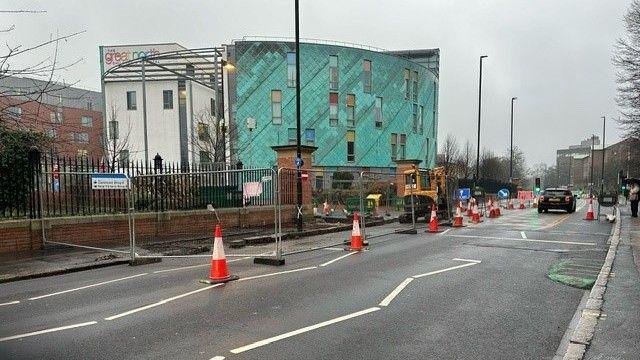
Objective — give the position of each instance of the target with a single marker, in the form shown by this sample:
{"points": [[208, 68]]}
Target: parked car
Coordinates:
{"points": [[558, 199]]}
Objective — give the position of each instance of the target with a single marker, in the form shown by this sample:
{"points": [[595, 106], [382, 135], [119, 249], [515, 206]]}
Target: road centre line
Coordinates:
{"points": [[444, 270], [336, 259], [87, 286], [387, 300], [524, 236], [10, 303], [161, 302], [45, 331], [531, 240], [276, 273], [270, 340]]}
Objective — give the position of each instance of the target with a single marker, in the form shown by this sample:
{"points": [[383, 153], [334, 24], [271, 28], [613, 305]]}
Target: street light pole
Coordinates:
{"points": [[298, 150], [603, 150], [479, 112], [593, 146], [511, 159]]}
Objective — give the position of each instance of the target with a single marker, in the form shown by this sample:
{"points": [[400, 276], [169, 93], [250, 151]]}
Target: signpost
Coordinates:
{"points": [[464, 193], [110, 181]]}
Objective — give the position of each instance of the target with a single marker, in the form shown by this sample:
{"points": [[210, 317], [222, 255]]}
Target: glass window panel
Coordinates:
{"points": [[276, 95], [333, 60], [333, 98]]}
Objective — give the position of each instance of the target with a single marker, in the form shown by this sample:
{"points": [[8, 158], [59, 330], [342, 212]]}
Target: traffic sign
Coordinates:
{"points": [[110, 181], [464, 193], [299, 163], [503, 193]]}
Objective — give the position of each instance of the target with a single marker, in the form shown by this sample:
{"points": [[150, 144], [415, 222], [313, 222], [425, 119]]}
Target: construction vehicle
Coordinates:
{"points": [[428, 187]]}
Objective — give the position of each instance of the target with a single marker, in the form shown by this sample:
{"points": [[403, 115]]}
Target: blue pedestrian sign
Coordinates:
{"points": [[503, 194], [464, 194], [299, 163]]}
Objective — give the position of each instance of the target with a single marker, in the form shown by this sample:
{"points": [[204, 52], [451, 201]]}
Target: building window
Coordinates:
{"points": [[56, 117], [52, 133], [421, 120], [205, 157], [86, 121], [15, 112], [203, 132], [351, 146], [82, 153], [114, 132], [333, 72], [407, 73], [291, 69], [394, 146], [212, 103], [351, 110], [333, 109], [415, 86], [82, 138], [131, 100], [167, 99], [378, 112], [89, 105], [414, 117], [292, 136], [310, 137], [319, 180], [276, 107], [123, 158], [366, 76], [403, 146]]}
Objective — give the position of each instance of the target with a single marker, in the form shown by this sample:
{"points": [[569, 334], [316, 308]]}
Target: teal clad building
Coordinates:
{"points": [[361, 108]]}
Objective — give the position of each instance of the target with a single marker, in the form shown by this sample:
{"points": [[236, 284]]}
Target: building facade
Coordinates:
{"points": [[71, 116], [361, 108]]}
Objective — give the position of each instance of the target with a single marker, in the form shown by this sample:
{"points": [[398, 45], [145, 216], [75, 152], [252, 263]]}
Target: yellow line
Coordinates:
{"points": [[563, 218]]}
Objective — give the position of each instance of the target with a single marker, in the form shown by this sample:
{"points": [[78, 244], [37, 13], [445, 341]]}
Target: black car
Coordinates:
{"points": [[559, 199]]}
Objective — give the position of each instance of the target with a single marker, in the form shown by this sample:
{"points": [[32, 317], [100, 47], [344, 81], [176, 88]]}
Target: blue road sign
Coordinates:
{"points": [[464, 193], [503, 194], [299, 162]]}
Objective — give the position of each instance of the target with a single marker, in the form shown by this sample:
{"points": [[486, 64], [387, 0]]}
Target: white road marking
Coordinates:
{"points": [[10, 303], [444, 232], [276, 273], [217, 358], [161, 302], [196, 266], [387, 300], [268, 341], [531, 240], [445, 270], [524, 236], [467, 260], [45, 331], [334, 249], [88, 286], [338, 258]]}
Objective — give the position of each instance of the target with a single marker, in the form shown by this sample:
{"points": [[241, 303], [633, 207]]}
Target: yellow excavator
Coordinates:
{"points": [[428, 187]]}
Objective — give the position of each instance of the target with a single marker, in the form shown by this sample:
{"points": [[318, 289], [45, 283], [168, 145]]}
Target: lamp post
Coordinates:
{"points": [[223, 124], [593, 145], [511, 158], [479, 112], [602, 172], [298, 150]]}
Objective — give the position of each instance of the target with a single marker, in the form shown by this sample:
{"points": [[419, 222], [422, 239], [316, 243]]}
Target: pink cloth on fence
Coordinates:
{"points": [[251, 189]]}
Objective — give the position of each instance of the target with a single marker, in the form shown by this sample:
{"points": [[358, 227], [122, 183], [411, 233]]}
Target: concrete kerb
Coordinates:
{"points": [[583, 333]]}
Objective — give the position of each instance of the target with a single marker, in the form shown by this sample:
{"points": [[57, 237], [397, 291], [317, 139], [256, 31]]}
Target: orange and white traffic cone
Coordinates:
{"points": [[535, 202], [219, 272], [510, 205], [475, 218], [356, 237], [433, 223], [521, 207], [491, 209], [497, 209], [590, 211], [325, 208], [457, 220], [470, 207]]}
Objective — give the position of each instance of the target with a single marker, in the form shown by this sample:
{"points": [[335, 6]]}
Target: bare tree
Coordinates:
{"points": [[627, 60], [450, 154], [117, 142], [466, 159], [207, 141]]}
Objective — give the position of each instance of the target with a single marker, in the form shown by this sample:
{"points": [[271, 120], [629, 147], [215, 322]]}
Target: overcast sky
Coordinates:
{"points": [[554, 55]]}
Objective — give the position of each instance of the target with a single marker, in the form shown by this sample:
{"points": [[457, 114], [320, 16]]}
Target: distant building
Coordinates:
{"points": [[567, 158], [71, 116]]}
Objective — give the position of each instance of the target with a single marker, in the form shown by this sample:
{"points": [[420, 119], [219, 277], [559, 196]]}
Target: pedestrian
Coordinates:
{"points": [[634, 198]]}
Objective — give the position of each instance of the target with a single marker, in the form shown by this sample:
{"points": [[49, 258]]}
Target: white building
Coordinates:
{"points": [[162, 99]]}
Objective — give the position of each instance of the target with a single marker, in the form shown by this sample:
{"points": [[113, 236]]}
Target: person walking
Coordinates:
{"points": [[634, 198]]}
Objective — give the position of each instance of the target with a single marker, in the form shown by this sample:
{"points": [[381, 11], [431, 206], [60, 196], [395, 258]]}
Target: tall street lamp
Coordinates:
{"points": [[479, 112], [298, 150], [603, 150], [511, 159]]}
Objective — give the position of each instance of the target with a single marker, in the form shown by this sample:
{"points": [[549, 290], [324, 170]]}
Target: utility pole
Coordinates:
{"points": [[511, 159], [602, 172], [593, 145], [298, 150], [479, 112]]}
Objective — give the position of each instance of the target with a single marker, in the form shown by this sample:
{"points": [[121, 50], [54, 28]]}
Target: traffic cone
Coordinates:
{"points": [[433, 223], [590, 211], [470, 207], [491, 210], [219, 272], [521, 207], [325, 208], [457, 220], [475, 218], [356, 238], [497, 210], [510, 204], [535, 202]]}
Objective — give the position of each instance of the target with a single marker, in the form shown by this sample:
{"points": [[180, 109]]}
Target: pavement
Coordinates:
{"points": [[617, 333], [481, 291]]}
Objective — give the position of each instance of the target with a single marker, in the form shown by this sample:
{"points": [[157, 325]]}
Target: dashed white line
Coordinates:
{"points": [[88, 286], [45, 331], [444, 232], [161, 302], [337, 259], [524, 236], [10, 303], [195, 266], [387, 300], [532, 240], [445, 270], [270, 340], [217, 358], [276, 273], [467, 260]]}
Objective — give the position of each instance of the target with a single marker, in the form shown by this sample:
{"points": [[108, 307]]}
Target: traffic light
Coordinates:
{"points": [[537, 188], [622, 178]]}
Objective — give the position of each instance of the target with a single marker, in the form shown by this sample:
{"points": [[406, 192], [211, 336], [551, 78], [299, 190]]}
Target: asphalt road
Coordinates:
{"points": [[478, 292]]}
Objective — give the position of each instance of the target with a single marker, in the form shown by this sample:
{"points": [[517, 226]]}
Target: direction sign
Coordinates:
{"points": [[503, 193], [110, 181], [299, 163], [464, 193]]}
